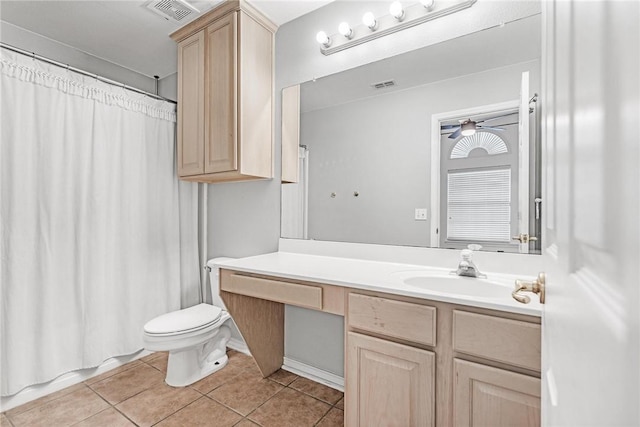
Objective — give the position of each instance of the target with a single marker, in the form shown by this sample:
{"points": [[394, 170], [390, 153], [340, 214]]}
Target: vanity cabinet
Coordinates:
{"points": [[225, 95], [425, 363], [408, 361], [487, 396], [389, 384]]}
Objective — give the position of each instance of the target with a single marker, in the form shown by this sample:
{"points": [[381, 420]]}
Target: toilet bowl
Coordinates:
{"points": [[195, 337]]}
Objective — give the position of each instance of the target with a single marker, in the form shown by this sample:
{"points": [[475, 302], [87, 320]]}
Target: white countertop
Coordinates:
{"points": [[387, 277]]}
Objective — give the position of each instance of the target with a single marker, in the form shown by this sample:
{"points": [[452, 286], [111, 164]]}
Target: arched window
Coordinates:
{"points": [[489, 142]]}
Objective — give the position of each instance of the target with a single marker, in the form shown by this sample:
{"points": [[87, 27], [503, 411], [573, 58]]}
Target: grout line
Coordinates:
{"points": [[175, 412], [124, 415]]}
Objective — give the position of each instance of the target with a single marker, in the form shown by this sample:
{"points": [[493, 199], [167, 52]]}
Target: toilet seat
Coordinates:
{"points": [[185, 321]]}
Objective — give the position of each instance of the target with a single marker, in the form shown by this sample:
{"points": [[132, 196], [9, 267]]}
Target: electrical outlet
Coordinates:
{"points": [[421, 215]]}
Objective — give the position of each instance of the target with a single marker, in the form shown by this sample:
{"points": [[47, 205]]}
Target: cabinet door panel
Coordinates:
{"points": [[191, 105], [220, 150], [486, 396], [388, 384]]}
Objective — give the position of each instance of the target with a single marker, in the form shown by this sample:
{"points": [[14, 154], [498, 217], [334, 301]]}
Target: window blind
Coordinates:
{"points": [[479, 205]]}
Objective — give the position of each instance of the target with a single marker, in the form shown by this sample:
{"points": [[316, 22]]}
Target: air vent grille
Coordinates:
{"points": [[178, 11], [382, 85]]}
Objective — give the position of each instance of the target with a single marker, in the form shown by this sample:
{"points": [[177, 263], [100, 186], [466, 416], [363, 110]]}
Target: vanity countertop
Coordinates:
{"points": [[387, 277]]}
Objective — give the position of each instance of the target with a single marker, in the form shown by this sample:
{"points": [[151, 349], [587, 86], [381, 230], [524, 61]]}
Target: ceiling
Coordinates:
{"points": [[125, 32]]}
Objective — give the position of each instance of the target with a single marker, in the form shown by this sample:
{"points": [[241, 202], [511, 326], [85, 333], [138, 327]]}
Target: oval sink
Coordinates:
{"points": [[443, 282]]}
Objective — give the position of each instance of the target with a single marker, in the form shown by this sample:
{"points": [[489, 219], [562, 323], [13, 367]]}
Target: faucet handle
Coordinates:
{"points": [[474, 247]]}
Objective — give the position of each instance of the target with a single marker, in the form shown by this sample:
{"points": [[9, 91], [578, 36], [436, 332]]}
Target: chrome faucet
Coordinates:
{"points": [[466, 266]]}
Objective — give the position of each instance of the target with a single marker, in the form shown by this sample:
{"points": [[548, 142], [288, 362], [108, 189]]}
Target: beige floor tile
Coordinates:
{"points": [[335, 418], [64, 411], [122, 386], [246, 423], [45, 399], [202, 413], [217, 379], [290, 408], [283, 377], [155, 355], [340, 404], [160, 363], [112, 372], [4, 421], [107, 418], [245, 393], [317, 390], [157, 403]]}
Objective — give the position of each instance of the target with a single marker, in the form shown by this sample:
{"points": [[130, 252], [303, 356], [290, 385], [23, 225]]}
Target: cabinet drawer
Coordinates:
{"points": [[274, 290], [503, 340], [397, 319]]}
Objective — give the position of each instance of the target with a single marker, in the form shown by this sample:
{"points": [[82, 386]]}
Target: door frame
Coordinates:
{"points": [[436, 120]]}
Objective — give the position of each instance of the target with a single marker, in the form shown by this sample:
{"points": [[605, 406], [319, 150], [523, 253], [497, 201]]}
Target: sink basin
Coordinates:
{"points": [[443, 282]]}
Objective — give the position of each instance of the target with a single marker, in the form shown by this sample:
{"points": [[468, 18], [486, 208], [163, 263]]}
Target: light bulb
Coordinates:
{"points": [[396, 10], [370, 20], [428, 4], [468, 128], [345, 30], [323, 39]]}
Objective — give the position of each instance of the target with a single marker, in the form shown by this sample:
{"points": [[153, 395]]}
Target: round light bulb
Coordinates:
{"points": [[323, 38], [369, 20], [428, 4], [396, 10], [468, 128], [345, 30]]}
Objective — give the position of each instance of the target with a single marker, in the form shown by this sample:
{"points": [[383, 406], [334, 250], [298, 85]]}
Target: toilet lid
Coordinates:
{"points": [[196, 317]]}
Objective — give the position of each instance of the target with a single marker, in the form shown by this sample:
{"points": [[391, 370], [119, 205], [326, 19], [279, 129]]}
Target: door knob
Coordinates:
{"points": [[524, 238], [536, 286]]}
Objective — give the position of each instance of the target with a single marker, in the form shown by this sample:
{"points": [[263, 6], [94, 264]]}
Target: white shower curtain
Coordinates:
{"points": [[97, 234]]}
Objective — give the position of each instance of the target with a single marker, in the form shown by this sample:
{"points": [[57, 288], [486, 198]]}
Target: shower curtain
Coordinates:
{"points": [[97, 234]]}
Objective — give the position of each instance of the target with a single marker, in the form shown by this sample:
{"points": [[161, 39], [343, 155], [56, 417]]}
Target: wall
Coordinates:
{"points": [[380, 147], [244, 218], [65, 54]]}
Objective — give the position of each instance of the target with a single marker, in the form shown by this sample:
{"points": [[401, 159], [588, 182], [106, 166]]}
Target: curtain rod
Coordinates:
{"points": [[84, 73]]}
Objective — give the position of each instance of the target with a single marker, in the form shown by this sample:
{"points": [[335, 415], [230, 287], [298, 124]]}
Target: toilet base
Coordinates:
{"points": [[186, 366]]}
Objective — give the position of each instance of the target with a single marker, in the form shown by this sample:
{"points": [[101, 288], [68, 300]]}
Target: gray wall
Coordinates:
{"points": [[52, 49], [244, 218], [380, 147]]}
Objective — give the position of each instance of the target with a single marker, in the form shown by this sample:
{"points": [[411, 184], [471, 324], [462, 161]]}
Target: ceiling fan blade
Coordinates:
{"points": [[449, 126], [489, 127], [456, 133]]}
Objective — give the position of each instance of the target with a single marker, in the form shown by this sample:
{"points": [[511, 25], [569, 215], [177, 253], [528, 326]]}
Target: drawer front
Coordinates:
{"points": [[274, 290], [397, 319], [503, 340]]}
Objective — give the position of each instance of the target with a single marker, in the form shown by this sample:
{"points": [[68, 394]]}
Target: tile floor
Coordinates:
{"points": [[135, 395]]}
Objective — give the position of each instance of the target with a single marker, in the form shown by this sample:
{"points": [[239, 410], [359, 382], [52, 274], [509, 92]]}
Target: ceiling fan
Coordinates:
{"points": [[468, 127]]}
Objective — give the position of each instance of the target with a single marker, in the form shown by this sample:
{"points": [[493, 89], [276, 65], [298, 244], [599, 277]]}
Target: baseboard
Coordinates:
{"points": [[314, 374], [65, 380], [238, 345]]}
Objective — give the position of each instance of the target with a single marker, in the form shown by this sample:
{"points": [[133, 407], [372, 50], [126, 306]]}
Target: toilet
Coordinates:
{"points": [[195, 337]]}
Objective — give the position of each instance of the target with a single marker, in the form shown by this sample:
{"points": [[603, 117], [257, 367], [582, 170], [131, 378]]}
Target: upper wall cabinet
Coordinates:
{"points": [[225, 95]]}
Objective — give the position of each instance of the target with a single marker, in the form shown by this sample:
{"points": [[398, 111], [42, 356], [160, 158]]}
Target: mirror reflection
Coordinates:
{"points": [[437, 147]]}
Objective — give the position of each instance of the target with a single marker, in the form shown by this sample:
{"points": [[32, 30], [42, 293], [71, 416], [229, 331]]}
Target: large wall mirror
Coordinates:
{"points": [[438, 147]]}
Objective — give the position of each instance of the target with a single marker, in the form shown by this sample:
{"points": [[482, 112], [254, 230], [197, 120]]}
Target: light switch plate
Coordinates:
{"points": [[421, 214]]}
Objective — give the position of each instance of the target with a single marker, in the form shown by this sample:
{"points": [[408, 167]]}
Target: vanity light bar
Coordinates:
{"points": [[373, 28]]}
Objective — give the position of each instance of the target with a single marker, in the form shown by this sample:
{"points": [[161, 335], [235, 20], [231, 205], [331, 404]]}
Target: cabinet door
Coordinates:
{"points": [[191, 105], [486, 396], [388, 384], [220, 150]]}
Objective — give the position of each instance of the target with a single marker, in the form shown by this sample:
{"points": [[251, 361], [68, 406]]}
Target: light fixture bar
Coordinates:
{"points": [[414, 15]]}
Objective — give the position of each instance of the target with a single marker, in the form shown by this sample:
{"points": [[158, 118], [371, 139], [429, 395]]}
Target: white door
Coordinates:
{"points": [[591, 91]]}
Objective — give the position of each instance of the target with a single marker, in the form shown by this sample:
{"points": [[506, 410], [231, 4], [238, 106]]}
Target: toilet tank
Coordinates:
{"points": [[214, 281]]}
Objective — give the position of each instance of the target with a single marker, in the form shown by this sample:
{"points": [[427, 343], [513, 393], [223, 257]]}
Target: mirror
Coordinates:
{"points": [[377, 164]]}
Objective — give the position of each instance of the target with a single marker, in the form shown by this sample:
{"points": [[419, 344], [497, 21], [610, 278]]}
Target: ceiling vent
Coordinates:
{"points": [[178, 11], [382, 85]]}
